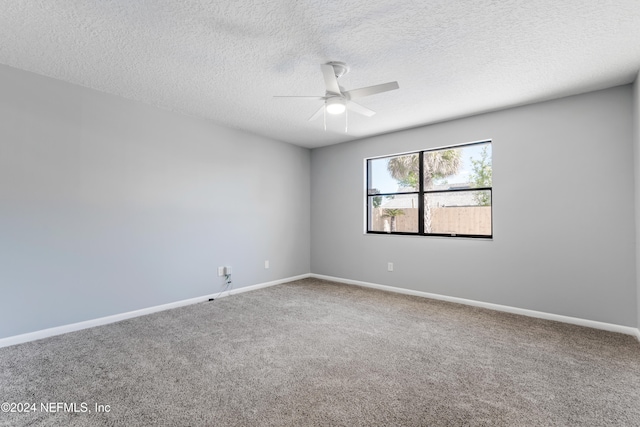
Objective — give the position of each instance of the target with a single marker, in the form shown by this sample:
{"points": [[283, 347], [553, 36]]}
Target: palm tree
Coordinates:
{"points": [[405, 170], [437, 165], [392, 214]]}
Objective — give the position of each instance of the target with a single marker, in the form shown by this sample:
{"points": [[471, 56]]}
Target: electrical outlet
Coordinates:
{"points": [[390, 266], [227, 271], [220, 271], [266, 264]]}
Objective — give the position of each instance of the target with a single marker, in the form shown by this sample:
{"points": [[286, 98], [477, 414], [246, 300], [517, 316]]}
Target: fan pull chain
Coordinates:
{"points": [[324, 117], [346, 120]]}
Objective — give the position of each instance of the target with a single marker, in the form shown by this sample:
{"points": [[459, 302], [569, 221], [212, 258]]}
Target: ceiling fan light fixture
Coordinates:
{"points": [[335, 106]]}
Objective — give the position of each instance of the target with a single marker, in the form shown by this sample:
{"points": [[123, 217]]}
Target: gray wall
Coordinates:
{"points": [[636, 145], [563, 212], [108, 205]]}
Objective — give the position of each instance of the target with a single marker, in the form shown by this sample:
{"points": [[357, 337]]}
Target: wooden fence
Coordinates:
{"points": [[454, 219]]}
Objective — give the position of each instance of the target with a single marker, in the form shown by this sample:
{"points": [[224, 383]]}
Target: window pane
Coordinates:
{"points": [[398, 174], [463, 167], [394, 213], [458, 212]]}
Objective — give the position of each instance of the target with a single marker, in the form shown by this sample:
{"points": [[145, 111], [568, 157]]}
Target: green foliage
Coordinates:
{"points": [[377, 200], [481, 176], [392, 212], [410, 180]]}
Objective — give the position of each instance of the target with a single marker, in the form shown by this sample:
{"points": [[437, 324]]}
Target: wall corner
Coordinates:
{"points": [[636, 169]]}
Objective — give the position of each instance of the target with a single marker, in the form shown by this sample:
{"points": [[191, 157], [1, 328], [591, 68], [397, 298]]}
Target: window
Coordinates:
{"points": [[442, 192]]}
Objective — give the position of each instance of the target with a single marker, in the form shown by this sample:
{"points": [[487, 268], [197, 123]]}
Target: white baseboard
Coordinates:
{"points": [[505, 308], [45, 333], [58, 330]]}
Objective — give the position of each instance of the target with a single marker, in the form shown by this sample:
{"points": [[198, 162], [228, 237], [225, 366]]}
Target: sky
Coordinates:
{"points": [[383, 181]]}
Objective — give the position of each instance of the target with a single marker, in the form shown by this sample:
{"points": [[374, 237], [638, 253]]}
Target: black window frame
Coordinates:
{"points": [[422, 192]]}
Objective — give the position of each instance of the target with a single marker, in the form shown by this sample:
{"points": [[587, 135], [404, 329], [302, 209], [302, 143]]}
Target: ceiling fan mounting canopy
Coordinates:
{"points": [[339, 68]]}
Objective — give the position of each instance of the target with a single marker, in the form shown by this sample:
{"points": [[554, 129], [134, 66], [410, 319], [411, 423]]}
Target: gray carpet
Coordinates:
{"points": [[316, 353]]}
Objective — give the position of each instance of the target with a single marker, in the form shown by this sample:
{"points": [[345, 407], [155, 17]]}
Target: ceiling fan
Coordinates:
{"points": [[336, 99]]}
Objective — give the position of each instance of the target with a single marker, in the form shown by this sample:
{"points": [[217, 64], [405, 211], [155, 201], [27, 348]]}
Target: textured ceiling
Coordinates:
{"points": [[225, 60]]}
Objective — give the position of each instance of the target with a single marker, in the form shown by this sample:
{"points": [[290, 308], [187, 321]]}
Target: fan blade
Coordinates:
{"points": [[294, 96], [371, 90], [330, 80], [357, 108], [316, 114]]}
